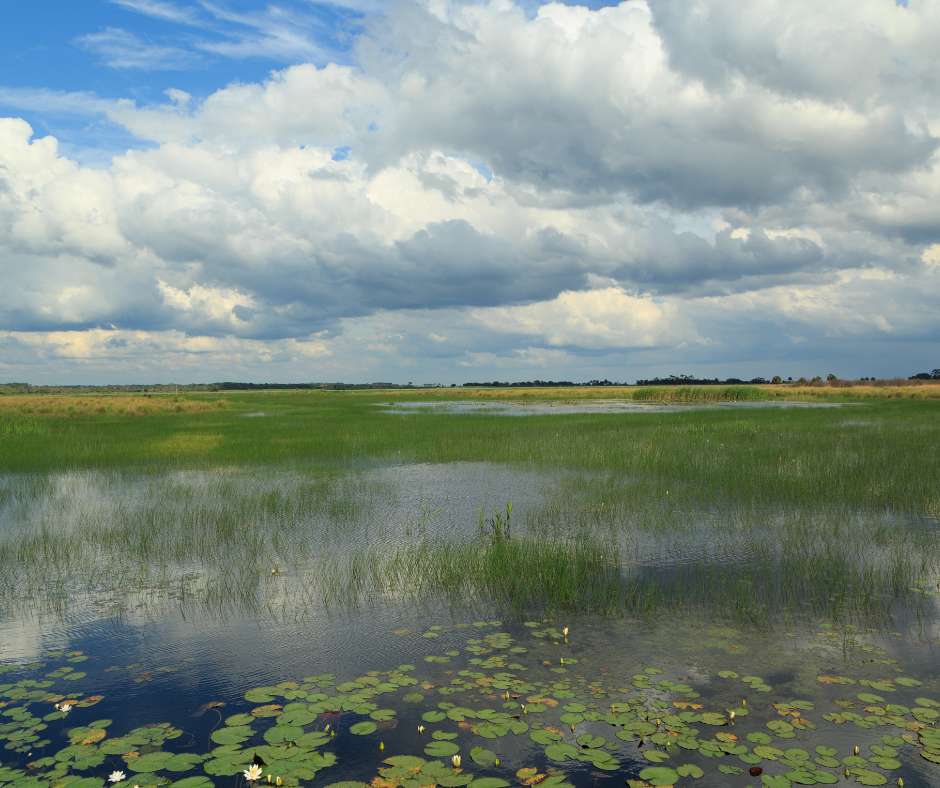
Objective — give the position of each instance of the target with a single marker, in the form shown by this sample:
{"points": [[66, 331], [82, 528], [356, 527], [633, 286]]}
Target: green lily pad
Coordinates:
{"points": [[659, 775], [656, 756], [282, 733], [868, 777], [690, 770], [728, 674], [441, 749], [775, 781], [726, 769], [235, 735], [489, 782], [543, 736], [483, 757], [413, 697], [867, 697], [433, 716], [348, 784], [768, 753], [363, 728], [759, 737], [558, 751], [199, 781]]}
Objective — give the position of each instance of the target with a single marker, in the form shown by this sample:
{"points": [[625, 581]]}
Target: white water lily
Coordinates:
{"points": [[252, 773], [64, 708], [456, 760], [116, 777]]}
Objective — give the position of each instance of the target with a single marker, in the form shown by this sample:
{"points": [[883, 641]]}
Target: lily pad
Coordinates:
{"points": [[660, 775], [868, 697], [483, 757], [363, 728], [441, 749]]}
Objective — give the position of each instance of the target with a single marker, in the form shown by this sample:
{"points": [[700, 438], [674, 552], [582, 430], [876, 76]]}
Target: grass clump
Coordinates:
{"points": [[91, 406]]}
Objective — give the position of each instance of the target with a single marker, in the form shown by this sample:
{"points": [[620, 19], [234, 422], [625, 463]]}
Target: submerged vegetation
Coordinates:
{"points": [[757, 514]]}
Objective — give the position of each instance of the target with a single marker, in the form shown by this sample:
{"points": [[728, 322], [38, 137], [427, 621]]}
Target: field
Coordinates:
{"points": [[714, 533]]}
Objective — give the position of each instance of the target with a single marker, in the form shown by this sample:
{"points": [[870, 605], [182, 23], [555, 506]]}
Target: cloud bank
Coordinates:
{"points": [[620, 192]]}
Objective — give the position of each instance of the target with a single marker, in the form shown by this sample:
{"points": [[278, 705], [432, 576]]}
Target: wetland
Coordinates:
{"points": [[359, 590]]}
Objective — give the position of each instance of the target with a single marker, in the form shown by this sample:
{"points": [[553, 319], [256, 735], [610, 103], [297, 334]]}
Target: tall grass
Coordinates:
{"points": [[754, 513]]}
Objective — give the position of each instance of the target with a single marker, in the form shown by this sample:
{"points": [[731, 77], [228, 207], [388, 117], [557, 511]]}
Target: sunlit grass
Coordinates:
{"points": [[754, 513]]}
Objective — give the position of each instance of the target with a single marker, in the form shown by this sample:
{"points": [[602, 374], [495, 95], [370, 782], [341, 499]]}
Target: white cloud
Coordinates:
{"points": [[351, 197], [122, 49]]}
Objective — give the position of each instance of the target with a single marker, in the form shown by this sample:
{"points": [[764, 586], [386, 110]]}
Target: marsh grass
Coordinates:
{"points": [[42, 407], [754, 513]]}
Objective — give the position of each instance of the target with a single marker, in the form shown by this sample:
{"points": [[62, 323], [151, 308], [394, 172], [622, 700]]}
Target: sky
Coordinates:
{"points": [[442, 191]]}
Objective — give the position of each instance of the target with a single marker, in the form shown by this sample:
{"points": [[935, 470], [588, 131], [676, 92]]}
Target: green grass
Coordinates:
{"points": [[776, 512]]}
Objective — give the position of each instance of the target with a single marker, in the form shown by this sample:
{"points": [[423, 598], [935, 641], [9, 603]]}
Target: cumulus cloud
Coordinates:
{"points": [[482, 184]]}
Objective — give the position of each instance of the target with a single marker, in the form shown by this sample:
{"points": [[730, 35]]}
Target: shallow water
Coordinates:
{"points": [[165, 664], [575, 406]]}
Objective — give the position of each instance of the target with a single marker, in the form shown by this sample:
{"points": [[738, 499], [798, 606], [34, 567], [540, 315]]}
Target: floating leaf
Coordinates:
{"points": [[660, 775], [433, 716], [489, 782], [656, 756], [544, 736], [724, 768], [775, 781], [483, 757], [441, 749], [868, 777], [728, 674], [363, 728], [867, 697]]}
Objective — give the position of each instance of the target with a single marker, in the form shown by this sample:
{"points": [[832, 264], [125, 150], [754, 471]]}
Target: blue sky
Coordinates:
{"points": [[450, 191]]}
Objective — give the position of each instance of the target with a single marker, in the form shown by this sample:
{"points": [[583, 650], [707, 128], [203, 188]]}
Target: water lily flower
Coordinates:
{"points": [[456, 760], [497, 762], [64, 708], [744, 702], [420, 729], [731, 717], [116, 777], [856, 749], [278, 782], [381, 745], [253, 773], [270, 779], [565, 631]]}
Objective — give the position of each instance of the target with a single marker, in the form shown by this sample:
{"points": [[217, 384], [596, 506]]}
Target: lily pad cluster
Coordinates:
{"points": [[556, 714]]}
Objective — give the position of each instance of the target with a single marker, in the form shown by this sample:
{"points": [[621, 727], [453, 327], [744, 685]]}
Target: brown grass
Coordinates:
{"points": [[898, 388], [140, 405]]}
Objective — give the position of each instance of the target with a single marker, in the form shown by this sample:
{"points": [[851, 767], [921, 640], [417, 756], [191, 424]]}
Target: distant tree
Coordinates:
{"points": [[776, 379], [830, 377], [817, 379]]}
